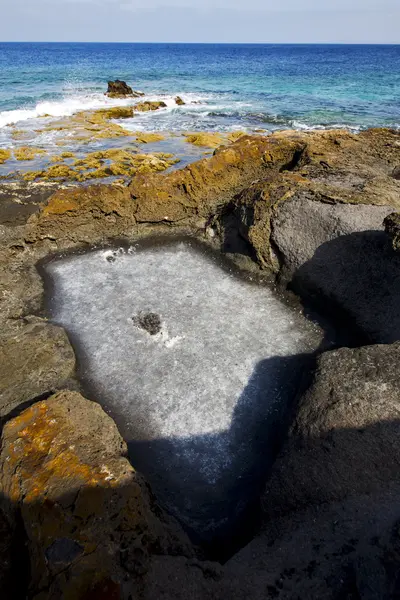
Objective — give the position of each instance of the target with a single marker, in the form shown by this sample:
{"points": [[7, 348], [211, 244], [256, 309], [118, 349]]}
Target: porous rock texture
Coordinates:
{"points": [[345, 438], [90, 521], [291, 201], [34, 361]]}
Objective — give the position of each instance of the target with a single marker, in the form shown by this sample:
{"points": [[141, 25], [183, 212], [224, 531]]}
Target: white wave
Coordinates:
{"points": [[60, 108]]}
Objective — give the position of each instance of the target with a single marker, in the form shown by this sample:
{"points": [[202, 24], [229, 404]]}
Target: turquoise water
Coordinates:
{"points": [[225, 87], [248, 85]]}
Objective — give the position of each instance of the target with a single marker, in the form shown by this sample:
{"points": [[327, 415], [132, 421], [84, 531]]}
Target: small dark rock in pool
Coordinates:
{"points": [[150, 322]]}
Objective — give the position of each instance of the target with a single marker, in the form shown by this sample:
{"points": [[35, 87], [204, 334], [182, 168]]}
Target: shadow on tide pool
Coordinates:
{"points": [[198, 366]]}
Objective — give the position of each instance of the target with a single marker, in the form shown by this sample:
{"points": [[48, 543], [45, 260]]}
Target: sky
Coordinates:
{"points": [[241, 21]]}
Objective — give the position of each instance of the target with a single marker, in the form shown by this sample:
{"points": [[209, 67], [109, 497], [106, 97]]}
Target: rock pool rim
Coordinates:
{"points": [[248, 524]]}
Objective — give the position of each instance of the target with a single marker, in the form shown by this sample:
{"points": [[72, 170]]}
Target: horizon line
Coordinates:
{"points": [[205, 43]]}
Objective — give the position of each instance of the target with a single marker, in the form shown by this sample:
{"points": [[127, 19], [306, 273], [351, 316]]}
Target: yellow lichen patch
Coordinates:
{"points": [[28, 152], [53, 172], [207, 140], [233, 136], [4, 155], [116, 112], [149, 105], [147, 138], [60, 157]]}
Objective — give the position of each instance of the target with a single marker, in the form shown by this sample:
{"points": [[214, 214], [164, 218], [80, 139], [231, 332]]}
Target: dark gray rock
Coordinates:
{"points": [[338, 257], [345, 439]]}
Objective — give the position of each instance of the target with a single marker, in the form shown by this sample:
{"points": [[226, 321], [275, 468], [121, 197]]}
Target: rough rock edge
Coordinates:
{"points": [[199, 197]]}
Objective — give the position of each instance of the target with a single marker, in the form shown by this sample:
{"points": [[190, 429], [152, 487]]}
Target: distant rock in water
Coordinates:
{"points": [[118, 89], [179, 101]]}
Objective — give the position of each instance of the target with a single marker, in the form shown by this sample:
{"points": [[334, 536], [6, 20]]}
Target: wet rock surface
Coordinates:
{"points": [[120, 89], [392, 227]]}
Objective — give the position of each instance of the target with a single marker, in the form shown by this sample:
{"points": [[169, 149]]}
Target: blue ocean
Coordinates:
{"points": [[225, 87]]}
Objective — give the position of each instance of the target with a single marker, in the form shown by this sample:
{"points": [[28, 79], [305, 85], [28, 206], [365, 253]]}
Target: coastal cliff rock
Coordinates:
{"points": [[308, 208], [90, 522]]}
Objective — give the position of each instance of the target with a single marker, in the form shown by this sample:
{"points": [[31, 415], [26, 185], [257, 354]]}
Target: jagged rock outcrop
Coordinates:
{"points": [[202, 189], [90, 521], [120, 89]]}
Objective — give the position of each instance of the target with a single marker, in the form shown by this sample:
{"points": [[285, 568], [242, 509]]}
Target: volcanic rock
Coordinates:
{"points": [[89, 519], [345, 439], [34, 361], [120, 89]]}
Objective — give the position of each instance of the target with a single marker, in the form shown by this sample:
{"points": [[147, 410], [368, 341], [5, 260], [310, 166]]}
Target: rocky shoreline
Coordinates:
{"points": [[304, 209]]}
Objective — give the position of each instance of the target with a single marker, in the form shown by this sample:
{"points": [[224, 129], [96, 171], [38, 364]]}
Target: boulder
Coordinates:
{"points": [[35, 360], [120, 89], [179, 101], [338, 257], [392, 227], [150, 105], [90, 521], [345, 439]]}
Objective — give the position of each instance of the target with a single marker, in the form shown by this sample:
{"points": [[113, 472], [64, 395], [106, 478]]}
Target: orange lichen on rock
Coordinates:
{"points": [[105, 199], [194, 192], [63, 465]]}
